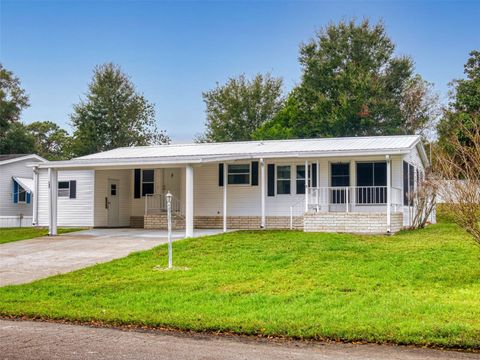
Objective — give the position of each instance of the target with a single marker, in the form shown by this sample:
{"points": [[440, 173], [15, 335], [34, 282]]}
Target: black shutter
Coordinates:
{"points": [[73, 189], [254, 181], [271, 180], [220, 174], [314, 175], [137, 185]]}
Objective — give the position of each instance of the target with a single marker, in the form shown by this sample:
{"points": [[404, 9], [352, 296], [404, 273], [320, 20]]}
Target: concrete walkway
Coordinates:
{"points": [[37, 340], [28, 260]]}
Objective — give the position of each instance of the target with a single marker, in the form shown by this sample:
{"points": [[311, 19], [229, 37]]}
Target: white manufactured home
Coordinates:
{"points": [[17, 189], [358, 184]]}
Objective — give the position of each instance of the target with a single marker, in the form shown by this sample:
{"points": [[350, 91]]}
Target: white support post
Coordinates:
{"points": [[306, 185], [225, 184], [262, 187], [318, 186], [52, 202], [389, 194], [347, 191], [35, 197], [189, 201]]}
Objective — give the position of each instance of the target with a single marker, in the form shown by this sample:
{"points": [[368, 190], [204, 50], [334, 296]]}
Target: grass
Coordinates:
{"points": [[15, 234], [420, 287]]}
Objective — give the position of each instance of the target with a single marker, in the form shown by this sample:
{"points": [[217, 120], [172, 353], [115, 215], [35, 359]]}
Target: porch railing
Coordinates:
{"points": [[157, 204], [345, 198]]}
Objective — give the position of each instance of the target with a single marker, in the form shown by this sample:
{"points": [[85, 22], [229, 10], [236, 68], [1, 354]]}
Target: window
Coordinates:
{"points": [[340, 178], [341, 174], [22, 195], [148, 182], [64, 189], [113, 189], [283, 179], [408, 182], [371, 183], [301, 178], [239, 174]]}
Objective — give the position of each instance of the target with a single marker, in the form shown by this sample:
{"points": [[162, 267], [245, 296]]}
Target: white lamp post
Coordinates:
{"points": [[169, 227]]}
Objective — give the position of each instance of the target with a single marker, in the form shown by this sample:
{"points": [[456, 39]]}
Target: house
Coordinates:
{"points": [[357, 184], [17, 189]]}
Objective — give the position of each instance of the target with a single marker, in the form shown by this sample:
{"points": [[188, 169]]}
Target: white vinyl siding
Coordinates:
{"points": [[71, 212], [20, 169]]}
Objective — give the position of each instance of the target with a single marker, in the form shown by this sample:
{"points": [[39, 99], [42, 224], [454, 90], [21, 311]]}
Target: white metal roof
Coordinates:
{"points": [[212, 152], [7, 159]]}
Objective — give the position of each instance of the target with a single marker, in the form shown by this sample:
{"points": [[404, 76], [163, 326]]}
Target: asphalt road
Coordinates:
{"points": [[42, 340]]}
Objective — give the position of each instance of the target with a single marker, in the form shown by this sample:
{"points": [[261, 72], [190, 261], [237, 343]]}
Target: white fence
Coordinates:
{"points": [[157, 204], [15, 221], [346, 198]]}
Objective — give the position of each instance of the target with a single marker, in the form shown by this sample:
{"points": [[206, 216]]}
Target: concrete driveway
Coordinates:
{"points": [[28, 260]]}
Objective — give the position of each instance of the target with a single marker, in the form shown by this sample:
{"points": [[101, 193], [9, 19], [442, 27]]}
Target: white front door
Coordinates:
{"points": [[171, 182], [112, 203]]}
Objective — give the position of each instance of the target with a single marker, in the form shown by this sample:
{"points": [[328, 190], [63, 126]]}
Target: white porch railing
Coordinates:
{"points": [[345, 198], [157, 204]]}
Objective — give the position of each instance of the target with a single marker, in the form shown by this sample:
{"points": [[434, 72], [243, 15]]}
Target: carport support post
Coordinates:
{"points": [[189, 201], [225, 184], [389, 194], [262, 191], [52, 202], [169, 228]]}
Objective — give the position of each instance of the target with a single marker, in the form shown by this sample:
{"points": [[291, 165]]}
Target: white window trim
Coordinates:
{"points": [[18, 195], [63, 189], [277, 179], [249, 174], [147, 182]]}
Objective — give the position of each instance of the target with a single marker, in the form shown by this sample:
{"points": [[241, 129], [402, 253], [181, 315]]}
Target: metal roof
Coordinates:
{"points": [[212, 152], [11, 158]]}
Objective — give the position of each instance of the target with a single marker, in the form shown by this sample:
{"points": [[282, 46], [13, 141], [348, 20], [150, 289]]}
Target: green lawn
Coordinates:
{"points": [[14, 234], [419, 287]]}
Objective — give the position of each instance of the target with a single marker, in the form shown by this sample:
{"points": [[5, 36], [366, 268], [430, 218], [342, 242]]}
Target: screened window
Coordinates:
{"points": [[371, 183], [340, 174], [239, 174], [340, 178], [64, 189], [408, 183], [22, 195], [301, 178], [148, 182], [283, 179]]}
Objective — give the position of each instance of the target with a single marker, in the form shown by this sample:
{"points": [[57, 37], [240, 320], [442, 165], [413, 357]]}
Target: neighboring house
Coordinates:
{"points": [[358, 184], [17, 189]]}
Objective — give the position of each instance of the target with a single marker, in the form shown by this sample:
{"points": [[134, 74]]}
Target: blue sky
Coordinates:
{"points": [[175, 50]]}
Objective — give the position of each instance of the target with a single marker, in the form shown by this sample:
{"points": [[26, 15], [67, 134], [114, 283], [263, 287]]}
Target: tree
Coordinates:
{"points": [[458, 165], [237, 108], [17, 140], [51, 141], [353, 85], [463, 111], [113, 115], [12, 99]]}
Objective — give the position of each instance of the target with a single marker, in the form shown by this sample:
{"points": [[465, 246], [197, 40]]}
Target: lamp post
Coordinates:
{"points": [[169, 227]]}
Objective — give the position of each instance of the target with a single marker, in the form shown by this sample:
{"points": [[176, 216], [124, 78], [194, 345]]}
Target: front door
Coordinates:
{"points": [[171, 182], [112, 203]]}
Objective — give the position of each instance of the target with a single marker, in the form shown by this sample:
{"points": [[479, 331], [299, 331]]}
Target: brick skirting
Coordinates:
{"points": [[159, 221], [352, 222]]}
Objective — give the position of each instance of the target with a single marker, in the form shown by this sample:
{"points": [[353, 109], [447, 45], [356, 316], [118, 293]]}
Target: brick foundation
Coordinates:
{"points": [[159, 221], [353, 222]]}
